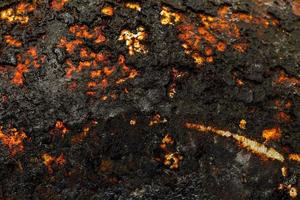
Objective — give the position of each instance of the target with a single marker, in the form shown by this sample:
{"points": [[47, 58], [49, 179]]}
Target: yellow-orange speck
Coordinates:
{"points": [[243, 124], [107, 10]]}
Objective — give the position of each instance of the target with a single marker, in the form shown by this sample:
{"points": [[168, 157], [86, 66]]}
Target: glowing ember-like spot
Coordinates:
{"points": [[169, 17], [251, 145], [32, 51], [294, 157], [296, 7], [107, 10], [12, 42], [60, 126], [284, 171], [271, 134], [240, 47], [168, 139], [81, 136], [132, 122], [223, 11], [70, 46], [19, 14], [71, 68], [157, 119], [94, 68], [108, 71], [243, 124], [95, 73], [133, 6], [175, 75], [23, 8], [25, 61], [133, 41], [283, 117], [49, 160], [18, 78], [171, 159], [104, 83], [13, 139], [81, 31], [283, 78], [99, 36], [293, 192], [58, 4], [206, 35]]}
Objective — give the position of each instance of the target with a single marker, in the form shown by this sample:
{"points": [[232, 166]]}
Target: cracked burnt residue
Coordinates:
{"points": [[150, 99]]}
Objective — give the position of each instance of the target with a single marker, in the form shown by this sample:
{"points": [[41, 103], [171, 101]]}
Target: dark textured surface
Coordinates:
{"points": [[212, 167]]}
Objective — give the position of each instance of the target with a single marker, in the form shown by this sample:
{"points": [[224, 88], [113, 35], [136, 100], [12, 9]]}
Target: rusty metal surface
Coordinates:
{"points": [[151, 99]]}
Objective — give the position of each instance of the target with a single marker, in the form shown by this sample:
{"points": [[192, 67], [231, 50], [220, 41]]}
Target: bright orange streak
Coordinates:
{"points": [[251, 145]]}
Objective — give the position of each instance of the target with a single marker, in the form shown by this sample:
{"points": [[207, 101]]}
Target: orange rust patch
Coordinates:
{"points": [[25, 63], [13, 139], [107, 10], [175, 75], [133, 6], [58, 4], [49, 160], [157, 119], [19, 14], [84, 133], [283, 78], [283, 117], [171, 159], [240, 47], [10, 41], [296, 7], [134, 40], [59, 125], [271, 134], [101, 73], [206, 35], [70, 46], [243, 124], [294, 157]]}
